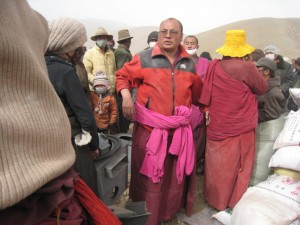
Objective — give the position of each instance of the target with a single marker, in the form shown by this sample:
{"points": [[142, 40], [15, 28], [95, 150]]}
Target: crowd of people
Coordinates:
{"points": [[191, 114]]}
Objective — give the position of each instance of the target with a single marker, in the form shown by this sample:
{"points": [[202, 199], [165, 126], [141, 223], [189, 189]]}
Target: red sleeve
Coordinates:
{"points": [[129, 74], [196, 90]]}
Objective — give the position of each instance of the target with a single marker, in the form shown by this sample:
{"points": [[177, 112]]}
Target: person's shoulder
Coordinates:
{"points": [[275, 92], [248, 63], [43, 27], [110, 52], [61, 70], [240, 63], [58, 62], [91, 50], [231, 65], [120, 50], [65, 67], [69, 70], [248, 66], [145, 52]]}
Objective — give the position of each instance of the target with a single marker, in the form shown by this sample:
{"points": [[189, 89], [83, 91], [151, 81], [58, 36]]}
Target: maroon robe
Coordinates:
{"points": [[229, 91], [163, 199]]}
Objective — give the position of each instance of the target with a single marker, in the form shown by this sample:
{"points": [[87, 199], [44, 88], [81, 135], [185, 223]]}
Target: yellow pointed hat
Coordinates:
{"points": [[235, 44]]}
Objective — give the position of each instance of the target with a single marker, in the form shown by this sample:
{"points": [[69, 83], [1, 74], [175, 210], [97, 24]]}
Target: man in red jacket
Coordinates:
{"points": [[229, 91], [166, 83]]}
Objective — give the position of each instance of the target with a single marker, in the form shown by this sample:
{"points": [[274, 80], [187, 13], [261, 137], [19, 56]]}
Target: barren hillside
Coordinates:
{"points": [[284, 33]]}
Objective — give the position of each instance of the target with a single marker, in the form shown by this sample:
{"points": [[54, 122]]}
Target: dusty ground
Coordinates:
{"points": [[198, 206]]}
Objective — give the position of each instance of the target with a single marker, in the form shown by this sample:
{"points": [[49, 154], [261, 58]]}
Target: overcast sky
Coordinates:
{"points": [[195, 15]]}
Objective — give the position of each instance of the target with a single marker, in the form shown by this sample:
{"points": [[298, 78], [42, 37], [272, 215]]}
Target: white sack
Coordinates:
{"points": [[295, 94], [266, 134], [290, 134], [258, 207], [286, 157]]}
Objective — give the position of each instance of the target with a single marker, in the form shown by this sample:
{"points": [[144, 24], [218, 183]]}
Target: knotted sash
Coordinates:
{"points": [[156, 147]]}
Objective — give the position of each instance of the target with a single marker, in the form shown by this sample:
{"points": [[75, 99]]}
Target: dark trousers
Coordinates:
{"points": [[84, 165], [123, 122]]}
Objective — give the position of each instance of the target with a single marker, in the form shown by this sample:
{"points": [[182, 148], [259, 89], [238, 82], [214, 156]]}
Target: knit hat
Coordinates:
{"points": [[271, 48], [235, 44], [257, 54], [101, 32], [66, 34], [267, 63], [123, 35], [101, 78], [152, 36]]}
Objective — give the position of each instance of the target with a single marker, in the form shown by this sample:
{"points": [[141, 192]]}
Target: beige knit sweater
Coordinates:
{"points": [[35, 143]]}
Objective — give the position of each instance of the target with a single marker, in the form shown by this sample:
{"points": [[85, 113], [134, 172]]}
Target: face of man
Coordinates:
{"points": [[101, 41], [296, 64], [270, 55], [111, 44], [190, 43], [264, 72], [170, 35]]}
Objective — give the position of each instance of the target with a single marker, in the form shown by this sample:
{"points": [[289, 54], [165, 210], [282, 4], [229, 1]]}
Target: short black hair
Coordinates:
{"points": [[180, 24], [206, 55]]}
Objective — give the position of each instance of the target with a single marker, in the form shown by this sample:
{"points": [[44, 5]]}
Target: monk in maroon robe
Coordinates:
{"points": [[229, 94]]}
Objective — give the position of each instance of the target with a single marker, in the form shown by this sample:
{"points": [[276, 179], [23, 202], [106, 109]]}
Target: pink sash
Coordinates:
{"points": [[156, 148]]}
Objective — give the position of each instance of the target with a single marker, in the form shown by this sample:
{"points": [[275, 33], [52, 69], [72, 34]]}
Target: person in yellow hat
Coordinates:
{"points": [[229, 95]]}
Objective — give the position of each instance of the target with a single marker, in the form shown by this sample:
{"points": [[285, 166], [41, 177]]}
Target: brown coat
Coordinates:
{"points": [[109, 110], [271, 104]]}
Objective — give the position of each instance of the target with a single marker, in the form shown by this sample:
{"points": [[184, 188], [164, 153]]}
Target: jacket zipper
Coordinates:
{"points": [[173, 65], [173, 94]]}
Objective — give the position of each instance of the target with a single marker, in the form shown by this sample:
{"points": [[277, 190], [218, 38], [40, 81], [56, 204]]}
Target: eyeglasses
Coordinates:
{"points": [[172, 33]]}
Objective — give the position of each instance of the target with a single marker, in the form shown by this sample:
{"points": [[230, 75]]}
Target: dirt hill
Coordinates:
{"points": [[283, 33]]}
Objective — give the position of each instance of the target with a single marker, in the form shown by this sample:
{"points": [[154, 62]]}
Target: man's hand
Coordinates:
{"points": [[127, 105], [207, 117], [95, 154]]}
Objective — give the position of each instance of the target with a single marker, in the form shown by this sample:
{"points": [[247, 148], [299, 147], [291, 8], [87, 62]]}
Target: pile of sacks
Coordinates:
{"points": [[275, 201]]}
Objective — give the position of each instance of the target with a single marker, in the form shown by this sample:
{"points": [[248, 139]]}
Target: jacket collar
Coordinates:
{"points": [[157, 51]]}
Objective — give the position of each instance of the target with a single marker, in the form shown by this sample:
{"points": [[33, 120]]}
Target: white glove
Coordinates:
{"points": [[83, 138]]}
